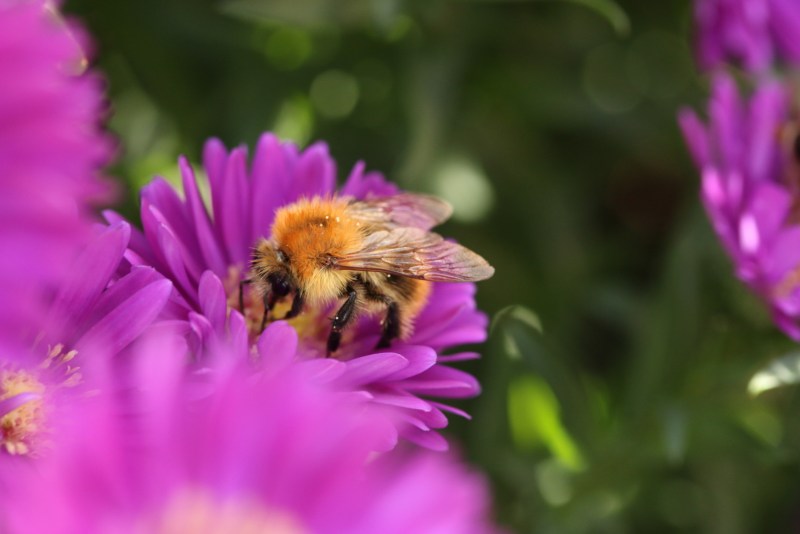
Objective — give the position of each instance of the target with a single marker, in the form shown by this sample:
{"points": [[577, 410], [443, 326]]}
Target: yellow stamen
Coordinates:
{"points": [[57, 358], [23, 429], [19, 427]]}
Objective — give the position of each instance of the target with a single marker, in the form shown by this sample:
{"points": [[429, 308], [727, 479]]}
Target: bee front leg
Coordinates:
{"points": [[297, 306], [241, 294], [269, 302], [391, 326], [340, 320]]}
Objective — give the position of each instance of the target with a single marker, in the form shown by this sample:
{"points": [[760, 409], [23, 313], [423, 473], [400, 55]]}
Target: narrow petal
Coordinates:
{"points": [[451, 409], [372, 368], [696, 137], [360, 185], [725, 110], [128, 320], [171, 210], [768, 109], [137, 243], [237, 331], [769, 207], [277, 344], [784, 256], [188, 258], [428, 439], [468, 329], [203, 329], [91, 272], [402, 400], [215, 158], [207, 238], [325, 370], [459, 357], [419, 359], [234, 217], [137, 279], [170, 248], [213, 301], [442, 381], [270, 179], [785, 24], [315, 173]]}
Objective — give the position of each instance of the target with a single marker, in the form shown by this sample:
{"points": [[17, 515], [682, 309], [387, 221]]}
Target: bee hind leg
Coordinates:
{"points": [[391, 326], [343, 316]]}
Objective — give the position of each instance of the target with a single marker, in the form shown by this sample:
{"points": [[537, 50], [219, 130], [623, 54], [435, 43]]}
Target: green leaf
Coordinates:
{"points": [[608, 9], [511, 337], [518, 349], [611, 11], [781, 372], [535, 417]]}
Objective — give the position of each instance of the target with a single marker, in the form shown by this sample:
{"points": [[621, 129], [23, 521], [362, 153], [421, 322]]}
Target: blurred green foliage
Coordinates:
{"points": [[621, 404]]}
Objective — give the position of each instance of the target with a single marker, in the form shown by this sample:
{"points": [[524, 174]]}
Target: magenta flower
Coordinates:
{"points": [[753, 33], [206, 255], [51, 149], [257, 454], [104, 304], [98, 312], [750, 178]]}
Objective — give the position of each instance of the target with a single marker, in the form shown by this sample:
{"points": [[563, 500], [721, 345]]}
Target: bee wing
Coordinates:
{"points": [[415, 253], [405, 209]]}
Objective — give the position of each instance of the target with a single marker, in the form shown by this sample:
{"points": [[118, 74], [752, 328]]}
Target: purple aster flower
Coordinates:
{"points": [[206, 255], [100, 309], [748, 159], [51, 149], [257, 454], [752, 32]]}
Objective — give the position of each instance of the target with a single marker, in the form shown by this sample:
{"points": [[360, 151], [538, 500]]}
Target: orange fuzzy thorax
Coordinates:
{"points": [[310, 231]]}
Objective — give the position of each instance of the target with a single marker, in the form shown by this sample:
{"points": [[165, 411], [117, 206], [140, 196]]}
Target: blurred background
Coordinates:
{"points": [[616, 385]]}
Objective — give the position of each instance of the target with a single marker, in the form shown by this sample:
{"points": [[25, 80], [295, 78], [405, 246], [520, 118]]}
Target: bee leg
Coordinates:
{"points": [[340, 320], [241, 294], [297, 306], [391, 326]]}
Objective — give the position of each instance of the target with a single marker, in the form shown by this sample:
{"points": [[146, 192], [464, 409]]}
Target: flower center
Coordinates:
{"points": [[196, 511], [22, 400], [22, 410]]}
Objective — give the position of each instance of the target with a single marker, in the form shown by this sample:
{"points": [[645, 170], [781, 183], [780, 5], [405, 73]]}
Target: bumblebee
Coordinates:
{"points": [[374, 256]]}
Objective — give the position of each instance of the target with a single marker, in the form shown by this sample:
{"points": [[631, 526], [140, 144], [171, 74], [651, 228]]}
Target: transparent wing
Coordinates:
{"points": [[405, 209], [415, 253]]}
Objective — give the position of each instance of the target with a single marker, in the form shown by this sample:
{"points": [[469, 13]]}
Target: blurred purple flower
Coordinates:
{"points": [[206, 256], [258, 454], [747, 156], [752, 32], [97, 313], [51, 149]]}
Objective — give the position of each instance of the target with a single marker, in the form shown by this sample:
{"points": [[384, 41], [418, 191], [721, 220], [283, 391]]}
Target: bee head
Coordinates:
{"points": [[271, 265], [281, 286]]}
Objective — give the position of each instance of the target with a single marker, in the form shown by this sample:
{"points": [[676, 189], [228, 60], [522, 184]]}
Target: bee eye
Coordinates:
{"points": [[282, 257], [280, 286]]}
